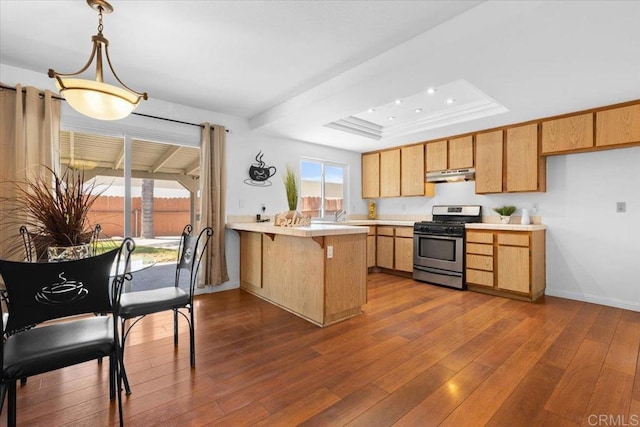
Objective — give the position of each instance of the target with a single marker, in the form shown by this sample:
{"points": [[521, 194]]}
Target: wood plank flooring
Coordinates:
{"points": [[420, 355]]}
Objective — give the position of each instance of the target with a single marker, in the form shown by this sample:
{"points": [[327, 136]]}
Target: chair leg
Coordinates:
{"points": [[112, 379], [192, 338], [11, 416], [3, 392], [123, 372], [175, 327]]}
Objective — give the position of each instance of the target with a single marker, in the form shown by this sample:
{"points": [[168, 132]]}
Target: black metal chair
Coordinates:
{"points": [[38, 292], [136, 305]]}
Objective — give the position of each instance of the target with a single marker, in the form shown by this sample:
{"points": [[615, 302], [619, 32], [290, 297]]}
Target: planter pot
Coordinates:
{"points": [[505, 219], [68, 253], [292, 219]]}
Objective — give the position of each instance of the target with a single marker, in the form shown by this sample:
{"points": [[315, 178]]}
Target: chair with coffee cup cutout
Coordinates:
{"points": [[42, 291]]}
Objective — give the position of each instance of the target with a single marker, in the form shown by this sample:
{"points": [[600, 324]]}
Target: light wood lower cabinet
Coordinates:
{"points": [[371, 247], [403, 249], [384, 247], [394, 249], [507, 263]]}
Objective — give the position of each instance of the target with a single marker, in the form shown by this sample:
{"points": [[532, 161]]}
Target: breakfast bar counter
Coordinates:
{"points": [[317, 272]]}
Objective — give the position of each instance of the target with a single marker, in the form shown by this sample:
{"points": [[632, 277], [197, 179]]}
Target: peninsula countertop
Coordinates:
{"points": [[314, 230]]}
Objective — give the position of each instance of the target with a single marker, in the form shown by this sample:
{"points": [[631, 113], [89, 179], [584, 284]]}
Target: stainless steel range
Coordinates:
{"points": [[438, 245]]}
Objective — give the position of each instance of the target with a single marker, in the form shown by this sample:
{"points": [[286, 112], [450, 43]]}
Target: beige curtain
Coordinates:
{"points": [[212, 203], [29, 138]]}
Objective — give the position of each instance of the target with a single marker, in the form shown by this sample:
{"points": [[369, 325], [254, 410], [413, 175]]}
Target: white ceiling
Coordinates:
{"points": [[291, 67]]}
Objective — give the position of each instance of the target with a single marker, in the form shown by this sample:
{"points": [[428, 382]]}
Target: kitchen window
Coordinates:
{"points": [[323, 188]]}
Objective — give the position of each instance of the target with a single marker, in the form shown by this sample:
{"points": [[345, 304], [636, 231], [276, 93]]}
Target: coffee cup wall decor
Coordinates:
{"points": [[260, 172]]}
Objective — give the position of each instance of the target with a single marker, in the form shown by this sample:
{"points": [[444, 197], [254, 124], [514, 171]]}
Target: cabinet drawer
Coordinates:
{"points": [[476, 248], [480, 262], [372, 230], [477, 277], [476, 237], [514, 239], [385, 231], [404, 232]]}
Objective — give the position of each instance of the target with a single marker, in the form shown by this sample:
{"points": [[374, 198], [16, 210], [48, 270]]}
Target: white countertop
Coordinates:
{"points": [[503, 227], [397, 223], [313, 230]]}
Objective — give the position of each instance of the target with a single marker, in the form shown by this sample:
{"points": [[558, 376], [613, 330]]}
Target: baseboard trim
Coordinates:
{"points": [[595, 299]]}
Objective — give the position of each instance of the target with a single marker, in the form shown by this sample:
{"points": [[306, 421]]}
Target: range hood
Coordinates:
{"points": [[452, 175]]}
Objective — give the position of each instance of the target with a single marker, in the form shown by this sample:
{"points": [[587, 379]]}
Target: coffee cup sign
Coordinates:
{"points": [[260, 172]]}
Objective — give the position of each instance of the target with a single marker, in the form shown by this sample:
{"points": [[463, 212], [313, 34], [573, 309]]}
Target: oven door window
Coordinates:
{"points": [[437, 248]]}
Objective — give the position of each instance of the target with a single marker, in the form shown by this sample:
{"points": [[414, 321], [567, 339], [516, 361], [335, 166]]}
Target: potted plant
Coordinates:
{"points": [[53, 207], [505, 213], [291, 187]]}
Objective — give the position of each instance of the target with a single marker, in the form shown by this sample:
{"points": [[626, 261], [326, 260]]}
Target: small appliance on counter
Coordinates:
{"points": [[438, 245]]}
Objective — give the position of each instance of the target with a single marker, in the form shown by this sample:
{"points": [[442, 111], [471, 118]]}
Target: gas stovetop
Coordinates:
{"points": [[449, 220]]}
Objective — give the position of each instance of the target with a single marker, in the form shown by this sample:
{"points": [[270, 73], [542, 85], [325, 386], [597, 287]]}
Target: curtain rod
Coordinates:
{"points": [[3, 86]]}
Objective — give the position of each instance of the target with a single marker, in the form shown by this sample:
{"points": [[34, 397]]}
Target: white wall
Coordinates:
{"points": [[593, 253]]}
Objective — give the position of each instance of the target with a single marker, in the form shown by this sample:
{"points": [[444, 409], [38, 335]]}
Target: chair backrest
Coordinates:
{"points": [[43, 291], [190, 252]]}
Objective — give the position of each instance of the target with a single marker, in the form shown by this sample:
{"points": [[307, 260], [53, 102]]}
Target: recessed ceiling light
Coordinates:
{"points": [[392, 118], [371, 110], [450, 101], [418, 110], [398, 101], [431, 90]]}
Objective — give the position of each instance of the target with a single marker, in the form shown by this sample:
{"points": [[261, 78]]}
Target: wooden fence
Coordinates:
{"points": [[170, 215]]}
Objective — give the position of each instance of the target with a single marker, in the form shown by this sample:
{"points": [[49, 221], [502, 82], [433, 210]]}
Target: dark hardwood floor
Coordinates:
{"points": [[419, 355]]}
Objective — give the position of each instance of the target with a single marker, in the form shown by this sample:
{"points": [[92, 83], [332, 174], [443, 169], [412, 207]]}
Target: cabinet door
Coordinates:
{"points": [[436, 156], [384, 252], [618, 126], [370, 175], [513, 269], [412, 170], [523, 162], [489, 162], [461, 152], [371, 251], [403, 254], [569, 133], [390, 173]]}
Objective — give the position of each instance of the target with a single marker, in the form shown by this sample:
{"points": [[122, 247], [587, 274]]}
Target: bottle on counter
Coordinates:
{"points": [[372, 210]]}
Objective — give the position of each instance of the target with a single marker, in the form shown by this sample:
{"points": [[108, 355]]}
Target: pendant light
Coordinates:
{"points": [[94, 98]]}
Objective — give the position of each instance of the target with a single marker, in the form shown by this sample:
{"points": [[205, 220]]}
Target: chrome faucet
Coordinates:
{"points": [[339, 215]]}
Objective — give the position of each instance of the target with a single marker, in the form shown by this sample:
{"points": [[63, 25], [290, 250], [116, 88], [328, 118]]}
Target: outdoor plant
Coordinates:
{"points": [[505, 210], [291, 187], [53, 207]]}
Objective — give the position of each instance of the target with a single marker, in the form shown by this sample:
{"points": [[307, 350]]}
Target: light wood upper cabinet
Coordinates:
{"points": [[436, 156], [370, 175], [461, 152], [618, 126], [568, 133], [390, 173], [525, 169], [489, 162], [412, 170]]}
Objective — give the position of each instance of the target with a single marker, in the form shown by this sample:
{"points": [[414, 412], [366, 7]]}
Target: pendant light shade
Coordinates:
{"points": [[94, 98]]}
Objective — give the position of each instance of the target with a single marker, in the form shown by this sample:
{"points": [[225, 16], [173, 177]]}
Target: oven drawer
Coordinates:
{"points": [[477, 277], [476, 248], [520, 239], [480, 262], [477, 237]]}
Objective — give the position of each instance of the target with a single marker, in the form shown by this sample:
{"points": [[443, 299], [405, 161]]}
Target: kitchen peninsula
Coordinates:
{"points": [[318, 272]]}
